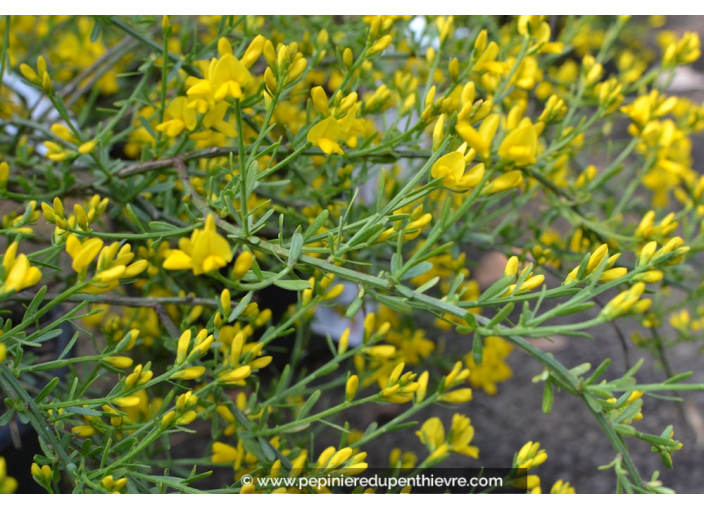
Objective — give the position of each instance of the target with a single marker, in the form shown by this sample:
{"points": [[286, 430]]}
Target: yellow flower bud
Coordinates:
{"points": [[243, 263], [126, 401], [454, 68], [120, 362], [167, 419], [29, 74], [381, 351], [270, 80], [189, 373], [334, 292], [504, 182], [237, 375], [511, 267], [83, 431], [438, 132], [351, 387], [4, 174], [457, 396], [201, 349], [380, 45], [339, 458], [613, 274], [254, 51], [182, 346], [422, 387], [261, 362], [46, 82], [347, 58], [342, 344], [481, 40], [87, 147], [320, 101], [653, 276]]}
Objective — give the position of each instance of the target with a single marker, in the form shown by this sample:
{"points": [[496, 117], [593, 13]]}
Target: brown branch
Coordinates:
{"points": [[166, 321], [140, 168]]}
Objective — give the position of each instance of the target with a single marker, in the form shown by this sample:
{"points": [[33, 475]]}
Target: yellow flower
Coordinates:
{"points": [[237, 375], [595, 259], [224, 453], [521, 144], [461, 434], [531, 283], [83, 431], [83, 253], [530, 456], [452, 167], [627, 301], [127, 401], [326, 134], [43, 473], [205, 251], [113, 486], [480, 140], [8, 485], [555, 109], [17, 271], [181, 117], [381, 351], [138, 377], [351, 387], [504, 182], [243, 263], [684, 51], [189, 373], [120, 362], [561, 487], [87, 148], [422, 387], [399, 388], [4, 174], [114, 264], [511, 266], [227, 77], [338, 458], [432, 433], [457, 375], [457, 396]]}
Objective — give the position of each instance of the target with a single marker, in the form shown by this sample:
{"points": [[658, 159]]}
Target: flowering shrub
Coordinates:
{"points": [[159, 176]]}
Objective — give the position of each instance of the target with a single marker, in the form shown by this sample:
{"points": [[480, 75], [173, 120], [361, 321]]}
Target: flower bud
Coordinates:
{"points": [[351, 387]]}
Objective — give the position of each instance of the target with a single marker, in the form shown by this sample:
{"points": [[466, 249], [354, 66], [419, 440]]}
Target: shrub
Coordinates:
{"points": [[210, 200]]}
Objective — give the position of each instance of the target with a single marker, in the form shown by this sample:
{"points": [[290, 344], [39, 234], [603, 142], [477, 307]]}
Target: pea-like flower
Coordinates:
{"points": [[326, 134], [520, 145], [530, 456], [451, 167], [181, 117], [432, 435], [205, 251], [227, 77], [17, 272]]}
